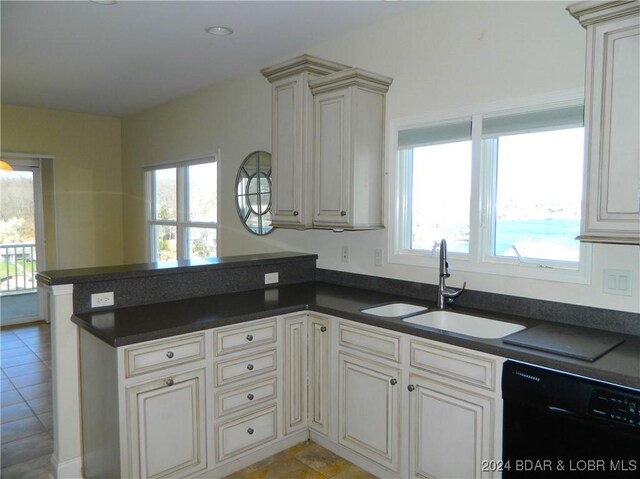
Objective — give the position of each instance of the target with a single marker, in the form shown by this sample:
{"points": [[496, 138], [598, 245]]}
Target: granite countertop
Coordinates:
{"points": [[124, 326]]}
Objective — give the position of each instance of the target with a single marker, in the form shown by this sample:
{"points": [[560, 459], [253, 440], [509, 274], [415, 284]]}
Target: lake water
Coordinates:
{"points": [[548, 239]]}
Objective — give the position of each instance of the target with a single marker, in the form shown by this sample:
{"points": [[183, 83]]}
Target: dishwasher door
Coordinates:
{"points": [[559, 425]]}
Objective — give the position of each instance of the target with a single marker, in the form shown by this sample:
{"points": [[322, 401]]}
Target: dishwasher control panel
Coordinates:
{"points": [[615, 407]]}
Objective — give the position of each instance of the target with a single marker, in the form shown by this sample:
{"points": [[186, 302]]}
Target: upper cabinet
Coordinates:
{"points": [[328, 145], [611, 205], [292, 126]]}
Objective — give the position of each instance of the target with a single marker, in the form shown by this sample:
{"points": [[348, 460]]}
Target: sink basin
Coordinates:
{"points": [[465, 324], [394, 310]]}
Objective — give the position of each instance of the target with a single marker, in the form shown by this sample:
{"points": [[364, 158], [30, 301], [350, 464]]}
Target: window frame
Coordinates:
{"points": [[182, 222], [483, 177]]}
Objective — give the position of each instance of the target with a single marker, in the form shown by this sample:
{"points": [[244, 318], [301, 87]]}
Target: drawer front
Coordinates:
{"points": [[379, 344], [164, 354], [246, 336], [245, 367], [242, 397], [245, 433], [459, 365]]}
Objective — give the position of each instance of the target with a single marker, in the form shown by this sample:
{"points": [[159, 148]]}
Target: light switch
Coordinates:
{"points": [[618, 281]]}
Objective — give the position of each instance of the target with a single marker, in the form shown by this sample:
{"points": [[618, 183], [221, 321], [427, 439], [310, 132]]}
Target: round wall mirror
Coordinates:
{"points": [[253, 192]]}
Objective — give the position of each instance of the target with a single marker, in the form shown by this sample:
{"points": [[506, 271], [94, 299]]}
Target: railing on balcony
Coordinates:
{"points": [[18, 268]]}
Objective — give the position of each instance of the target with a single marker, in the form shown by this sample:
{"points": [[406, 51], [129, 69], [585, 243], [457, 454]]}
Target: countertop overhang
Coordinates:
{"points": [[130, 325]]}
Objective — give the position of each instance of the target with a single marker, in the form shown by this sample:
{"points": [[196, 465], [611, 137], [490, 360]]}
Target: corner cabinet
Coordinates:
{"points": [[292, 137], [611, 205], [349, 119]]}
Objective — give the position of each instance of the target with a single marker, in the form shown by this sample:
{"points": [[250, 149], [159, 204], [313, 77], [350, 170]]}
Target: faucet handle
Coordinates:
{"points": [[453, 292]]}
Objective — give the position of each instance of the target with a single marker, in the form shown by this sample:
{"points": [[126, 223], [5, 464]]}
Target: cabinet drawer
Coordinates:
{"points": [[245, 433], [379, 344], [163, 354], [455, 364], [246, 336], [247, 366], [250, 395]]}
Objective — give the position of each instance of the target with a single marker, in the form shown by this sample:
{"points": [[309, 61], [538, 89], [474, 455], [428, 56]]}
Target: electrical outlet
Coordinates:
{"points": [[270, 278], [100, 300], [618, 281], [377, 257], [345, 254]]}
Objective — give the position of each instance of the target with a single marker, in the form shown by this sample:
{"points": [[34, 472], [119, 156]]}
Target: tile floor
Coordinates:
{"points": [[306, 460], [26, 428]]}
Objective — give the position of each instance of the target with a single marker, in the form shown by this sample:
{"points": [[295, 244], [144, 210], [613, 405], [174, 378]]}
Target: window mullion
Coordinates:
{"points": [[182, 212], [478, 190]]}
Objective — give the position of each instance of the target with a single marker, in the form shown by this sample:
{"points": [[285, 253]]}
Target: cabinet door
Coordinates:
{"points": [[332, 158], [451, 431], [167, 432], [318, 349], [295, 373], [368, 409]]}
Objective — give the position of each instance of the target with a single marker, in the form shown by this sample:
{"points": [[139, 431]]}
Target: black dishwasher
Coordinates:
{"points": [[560, 425]]}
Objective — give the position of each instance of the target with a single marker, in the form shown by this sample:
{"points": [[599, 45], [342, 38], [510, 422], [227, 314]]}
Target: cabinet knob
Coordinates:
{"points": [[411, 387], [169, 382], [249, 337], [393, 381], [250, 367], [343, 213], [250, 397], [250, 430], [295, 213], [323, 329], [169, 354]]}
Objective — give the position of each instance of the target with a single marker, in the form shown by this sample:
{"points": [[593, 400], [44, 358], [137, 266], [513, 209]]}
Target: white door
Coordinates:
{"points": [[368, 409], [168, 426], [318, 349], [451, 431]]}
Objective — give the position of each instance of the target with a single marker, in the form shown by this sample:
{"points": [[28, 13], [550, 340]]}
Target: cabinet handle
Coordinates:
{"points": [[411, 387], [169, 382], [393, 381], [295, 213], [323, 329], [250, 367], [250, 397], [343, 213], [169, 354], [249, 337], [250, 430]]}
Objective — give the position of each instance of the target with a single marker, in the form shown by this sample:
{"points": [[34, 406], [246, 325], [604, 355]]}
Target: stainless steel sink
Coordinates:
{"points": [[475, 326], [394, 310]]}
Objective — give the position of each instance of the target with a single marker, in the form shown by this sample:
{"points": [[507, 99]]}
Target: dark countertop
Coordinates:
{"points": [[135, 324], [140, 270]]}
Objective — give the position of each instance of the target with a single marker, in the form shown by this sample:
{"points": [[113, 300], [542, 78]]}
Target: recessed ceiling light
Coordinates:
{"points": [[104, 2], [219, 30]]}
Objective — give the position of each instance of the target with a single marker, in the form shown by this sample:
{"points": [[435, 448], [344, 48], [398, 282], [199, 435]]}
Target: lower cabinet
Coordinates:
{"points": [[319, 361], [451, 430], [295, 373], [167, 424]]}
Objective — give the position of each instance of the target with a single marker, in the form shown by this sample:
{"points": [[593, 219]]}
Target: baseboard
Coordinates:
{"points": [[71, 469]]}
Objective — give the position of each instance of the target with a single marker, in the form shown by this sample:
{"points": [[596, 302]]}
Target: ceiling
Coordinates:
{"points": [[119, 59]]}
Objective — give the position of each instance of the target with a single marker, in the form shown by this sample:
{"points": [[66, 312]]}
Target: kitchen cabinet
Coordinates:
{"points": [[319, 364], [295, 373], [292, 138], [349, 122], [611, 203]]}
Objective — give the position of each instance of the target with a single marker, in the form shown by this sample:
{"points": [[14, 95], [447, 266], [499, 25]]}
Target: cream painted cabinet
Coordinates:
{"points": [[611, 206], [167, 426], [348, 155], [295, 373], [319, 362], [292, 138]]}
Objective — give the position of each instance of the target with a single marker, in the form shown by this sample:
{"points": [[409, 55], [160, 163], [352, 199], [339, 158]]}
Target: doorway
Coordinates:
{"points": [[22, 252]]}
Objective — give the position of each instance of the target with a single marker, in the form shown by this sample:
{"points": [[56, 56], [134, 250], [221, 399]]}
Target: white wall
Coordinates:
{"points": [[447, 56]]}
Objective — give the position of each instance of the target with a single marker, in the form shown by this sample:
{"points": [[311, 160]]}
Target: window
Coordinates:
{"points": [[182, 210], [504, 189]]}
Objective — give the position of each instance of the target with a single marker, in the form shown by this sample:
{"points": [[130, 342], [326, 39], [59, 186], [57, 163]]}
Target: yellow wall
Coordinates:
{"points": [[87, 180]]}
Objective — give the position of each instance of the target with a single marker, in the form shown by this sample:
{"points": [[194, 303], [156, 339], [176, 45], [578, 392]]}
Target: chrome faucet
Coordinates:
{"points": [[446, 295]]}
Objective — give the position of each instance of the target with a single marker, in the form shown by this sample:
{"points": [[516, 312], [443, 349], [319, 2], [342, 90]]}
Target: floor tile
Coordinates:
{"points": [[6, 385], [15, 411], [40, 348], [38, 468], [10, 397], [26, 449], [35, 391], [285, 470], [14, 430], [354, 472], [322, 460], [44, 355], [8, 353], [24, 369], [42, 376], [8, 344], [46, 419], [40, 405], [18, 359]]}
